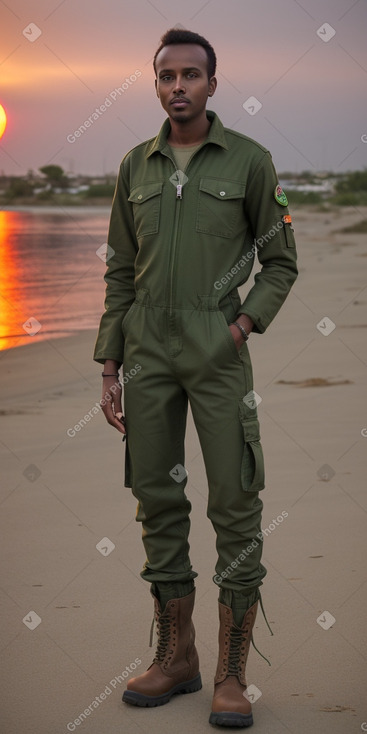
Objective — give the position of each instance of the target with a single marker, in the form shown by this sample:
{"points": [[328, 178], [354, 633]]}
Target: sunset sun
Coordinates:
{"points": [[2, 120]]}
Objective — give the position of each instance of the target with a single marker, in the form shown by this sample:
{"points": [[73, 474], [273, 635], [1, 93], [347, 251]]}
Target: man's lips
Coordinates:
{"points": [[181, 101]]}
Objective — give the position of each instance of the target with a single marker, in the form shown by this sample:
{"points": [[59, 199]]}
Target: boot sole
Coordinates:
{"points": [[229, 718], [138, 699]]}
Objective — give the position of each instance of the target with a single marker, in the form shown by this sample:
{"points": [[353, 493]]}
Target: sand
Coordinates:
{"points": [[62, 494]]}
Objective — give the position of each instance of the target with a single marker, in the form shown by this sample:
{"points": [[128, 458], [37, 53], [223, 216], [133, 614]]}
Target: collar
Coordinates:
{"points": [[215, 135]]}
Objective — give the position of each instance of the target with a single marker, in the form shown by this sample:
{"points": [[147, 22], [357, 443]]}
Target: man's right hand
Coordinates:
{"points": [[111, 397]]}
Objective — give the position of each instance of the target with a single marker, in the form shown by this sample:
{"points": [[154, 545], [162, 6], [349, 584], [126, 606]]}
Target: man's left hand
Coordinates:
{"points": [[247, 324]]}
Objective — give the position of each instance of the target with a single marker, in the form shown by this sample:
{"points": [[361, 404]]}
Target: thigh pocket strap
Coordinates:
{"points": [[252, 467]]}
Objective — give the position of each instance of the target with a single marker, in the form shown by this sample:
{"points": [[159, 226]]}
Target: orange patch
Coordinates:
{"points": [[287, 219]]}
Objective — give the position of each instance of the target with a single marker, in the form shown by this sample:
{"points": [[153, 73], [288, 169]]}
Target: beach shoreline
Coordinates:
{"points": [[82, 208]]}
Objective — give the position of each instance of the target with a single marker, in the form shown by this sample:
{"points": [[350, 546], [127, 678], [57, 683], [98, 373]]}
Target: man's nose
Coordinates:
{"points": [[179, 85]]}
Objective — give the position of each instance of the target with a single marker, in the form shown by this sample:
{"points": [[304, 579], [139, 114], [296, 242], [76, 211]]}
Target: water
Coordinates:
{"points": [[50, 272]]}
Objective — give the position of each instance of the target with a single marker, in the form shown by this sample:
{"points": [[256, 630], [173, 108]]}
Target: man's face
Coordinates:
{"points": [[182, 82]]}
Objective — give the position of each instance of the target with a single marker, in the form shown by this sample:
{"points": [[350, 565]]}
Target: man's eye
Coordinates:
{"points": [[191, 74], [165, 78]]}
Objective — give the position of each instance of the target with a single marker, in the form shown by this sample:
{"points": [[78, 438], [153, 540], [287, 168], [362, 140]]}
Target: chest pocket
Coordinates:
{"points": [[146, 201], [220, 206]]}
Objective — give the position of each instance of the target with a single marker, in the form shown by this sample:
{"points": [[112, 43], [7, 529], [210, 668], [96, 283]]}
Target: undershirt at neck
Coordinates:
{"points": [[183, 155]]}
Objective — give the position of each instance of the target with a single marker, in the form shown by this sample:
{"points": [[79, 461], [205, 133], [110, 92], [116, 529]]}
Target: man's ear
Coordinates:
{"points": [[156, 88], [212, 86]]}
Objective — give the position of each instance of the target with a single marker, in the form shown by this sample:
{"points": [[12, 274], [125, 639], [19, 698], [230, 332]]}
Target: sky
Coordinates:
{"points": [[305, 63]]}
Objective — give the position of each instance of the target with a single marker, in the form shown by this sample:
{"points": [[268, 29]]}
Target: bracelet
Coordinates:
{"points": [[104, 375], [243, 332]]}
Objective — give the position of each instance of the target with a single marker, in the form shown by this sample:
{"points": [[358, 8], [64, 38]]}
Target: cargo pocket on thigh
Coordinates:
{"points": [[252, 467]]}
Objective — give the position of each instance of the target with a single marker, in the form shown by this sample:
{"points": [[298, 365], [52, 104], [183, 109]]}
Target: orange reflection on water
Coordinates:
{"points": [[12, 310]]}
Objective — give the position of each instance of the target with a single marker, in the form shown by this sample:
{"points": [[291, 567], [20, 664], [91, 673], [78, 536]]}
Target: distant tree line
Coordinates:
{"points": [[55, 185], [55, 182]]}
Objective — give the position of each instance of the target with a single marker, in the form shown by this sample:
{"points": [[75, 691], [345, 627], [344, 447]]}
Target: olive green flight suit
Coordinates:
{"points": [[181, 246]]}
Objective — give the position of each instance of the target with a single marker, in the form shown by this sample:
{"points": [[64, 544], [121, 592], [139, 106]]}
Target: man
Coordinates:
{"points": [[191, 208]]}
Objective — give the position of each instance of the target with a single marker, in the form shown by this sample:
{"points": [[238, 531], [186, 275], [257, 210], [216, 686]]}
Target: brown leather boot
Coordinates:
{"points": [[175, 668], [230, 707]]}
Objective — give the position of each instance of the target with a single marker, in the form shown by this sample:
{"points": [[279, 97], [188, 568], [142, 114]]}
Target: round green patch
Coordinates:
{"points": [[280, 196]]}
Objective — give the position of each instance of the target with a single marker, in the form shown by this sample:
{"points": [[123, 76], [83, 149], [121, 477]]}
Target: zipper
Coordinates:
{"points": [[174, 244], [179, 191]]}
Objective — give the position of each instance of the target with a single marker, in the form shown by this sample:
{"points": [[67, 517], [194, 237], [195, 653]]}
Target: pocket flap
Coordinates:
{"points": [[145, 191], [222, 189]]}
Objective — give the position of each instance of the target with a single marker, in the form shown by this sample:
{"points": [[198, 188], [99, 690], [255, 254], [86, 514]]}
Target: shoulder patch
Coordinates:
{"points": [[280, 196]]}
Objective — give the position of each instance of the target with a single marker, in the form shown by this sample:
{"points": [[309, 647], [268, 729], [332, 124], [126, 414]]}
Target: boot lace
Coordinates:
{"points": [[166, 629], [237, 645], [237, 641], [270, 629]]}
